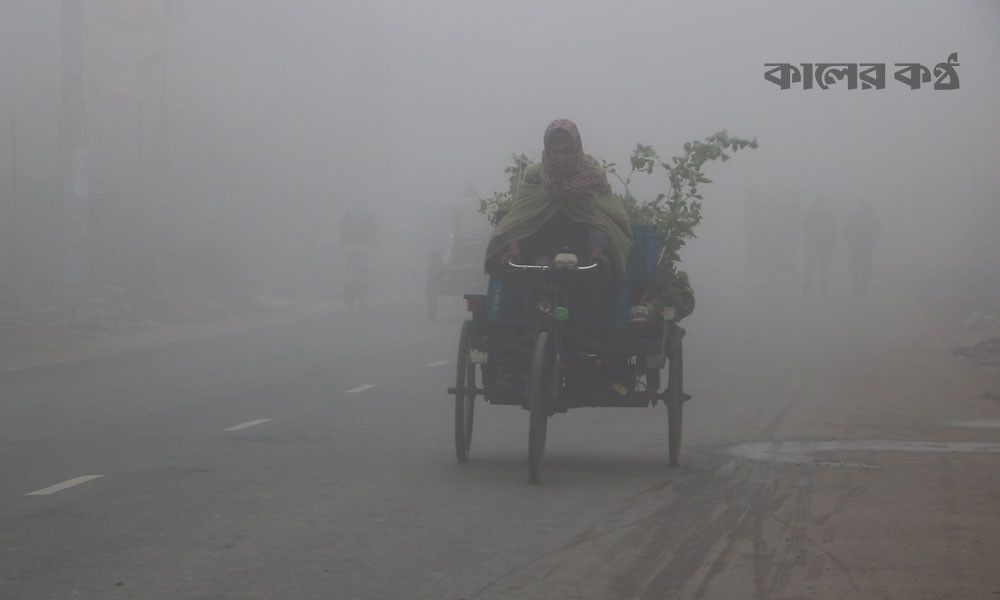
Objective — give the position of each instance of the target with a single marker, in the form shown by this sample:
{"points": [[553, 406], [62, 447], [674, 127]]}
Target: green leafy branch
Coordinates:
{"points": [[501, 202], [677, 210]]}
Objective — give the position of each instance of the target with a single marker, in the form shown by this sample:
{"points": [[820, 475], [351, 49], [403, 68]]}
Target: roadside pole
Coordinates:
{"points": [[15, 300]]}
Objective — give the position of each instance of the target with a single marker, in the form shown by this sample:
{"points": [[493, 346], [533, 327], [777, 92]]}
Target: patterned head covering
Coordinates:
{"points": [[570, 173]]}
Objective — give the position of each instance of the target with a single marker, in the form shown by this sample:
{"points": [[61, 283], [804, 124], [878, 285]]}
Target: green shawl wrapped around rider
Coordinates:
{"points": [[579, 190]]}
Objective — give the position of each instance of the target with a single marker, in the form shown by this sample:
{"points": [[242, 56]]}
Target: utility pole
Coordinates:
{"points": [[75, 202], [15, 294]]}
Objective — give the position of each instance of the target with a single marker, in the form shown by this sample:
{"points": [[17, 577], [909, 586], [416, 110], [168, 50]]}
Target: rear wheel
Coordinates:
{"points": [[465, 395], [431, 293], [675, 402], [540, 390]]}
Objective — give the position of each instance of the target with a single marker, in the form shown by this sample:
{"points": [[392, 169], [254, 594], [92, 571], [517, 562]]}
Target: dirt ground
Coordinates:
{"points": [[875, 468], [912, 518], [835, 448]]}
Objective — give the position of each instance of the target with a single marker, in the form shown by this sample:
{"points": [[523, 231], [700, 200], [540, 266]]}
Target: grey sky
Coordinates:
{"points": [[463, 84]]}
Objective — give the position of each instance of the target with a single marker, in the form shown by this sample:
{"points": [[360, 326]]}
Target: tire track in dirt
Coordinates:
{"points": [[737, 510], [947, 480], [676, 538], [734, 510], [795, 532]]}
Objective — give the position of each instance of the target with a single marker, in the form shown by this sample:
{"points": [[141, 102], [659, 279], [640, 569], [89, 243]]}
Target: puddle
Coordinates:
{"points": [[800, 452], [976, 424]]}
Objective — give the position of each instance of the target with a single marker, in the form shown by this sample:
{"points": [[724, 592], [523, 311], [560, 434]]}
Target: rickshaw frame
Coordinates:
{"points": [[641, 349]]}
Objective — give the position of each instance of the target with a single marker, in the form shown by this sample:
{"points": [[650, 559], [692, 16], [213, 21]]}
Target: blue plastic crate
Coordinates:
{"points": [[503, 303], [641, 264], [622, 304]]}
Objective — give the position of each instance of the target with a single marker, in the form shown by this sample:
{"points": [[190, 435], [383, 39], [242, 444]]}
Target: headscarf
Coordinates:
{"points": [[579, 189], [570, 173]]}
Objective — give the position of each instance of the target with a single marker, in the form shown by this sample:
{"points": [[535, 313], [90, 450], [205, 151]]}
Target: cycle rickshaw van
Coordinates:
{"points": [[518, 353]]}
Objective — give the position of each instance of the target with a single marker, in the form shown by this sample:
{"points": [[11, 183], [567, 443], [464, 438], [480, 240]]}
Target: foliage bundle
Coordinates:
{"points": [[676, 211]]}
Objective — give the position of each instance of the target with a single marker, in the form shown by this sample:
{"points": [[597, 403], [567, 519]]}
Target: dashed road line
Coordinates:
{"points": [[62, 486], [360, 388], [439, 363], [976, 423], [247, 424]]}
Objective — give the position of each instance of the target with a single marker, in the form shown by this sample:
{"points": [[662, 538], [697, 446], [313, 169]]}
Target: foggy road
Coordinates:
{"points": [[189, 189], [314, 459]]}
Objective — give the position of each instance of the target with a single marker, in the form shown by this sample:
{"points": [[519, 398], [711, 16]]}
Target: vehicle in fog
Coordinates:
{"points": [[460, 272], [528, 358]]}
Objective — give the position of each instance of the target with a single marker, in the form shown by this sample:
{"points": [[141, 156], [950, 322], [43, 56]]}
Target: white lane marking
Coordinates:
{"points": [[34, 365], [247, 424], [360, 388], [61, 486], [976, 424], [439, 363], [798, 452]]}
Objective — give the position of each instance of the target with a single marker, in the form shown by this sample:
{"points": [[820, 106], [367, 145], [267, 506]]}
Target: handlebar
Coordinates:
{"points": [[511, 263]]}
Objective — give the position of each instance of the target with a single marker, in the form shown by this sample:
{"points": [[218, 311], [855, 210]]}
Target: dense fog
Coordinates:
{"points": [[222, 140], [214, 384]]}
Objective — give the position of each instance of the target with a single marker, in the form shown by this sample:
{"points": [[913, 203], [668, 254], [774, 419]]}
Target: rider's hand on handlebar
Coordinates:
{"points": [[512, 252], [598, 256]]}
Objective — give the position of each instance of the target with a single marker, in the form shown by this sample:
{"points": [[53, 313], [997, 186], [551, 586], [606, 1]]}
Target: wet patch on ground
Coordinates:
{"points": [[802, 452]]}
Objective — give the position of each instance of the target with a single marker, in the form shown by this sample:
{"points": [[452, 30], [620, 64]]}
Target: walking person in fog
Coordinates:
{"points": [[819, 234], [861, 232]]}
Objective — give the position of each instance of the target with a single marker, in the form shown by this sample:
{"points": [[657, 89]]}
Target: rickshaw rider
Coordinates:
{"points": [[565, 203]]}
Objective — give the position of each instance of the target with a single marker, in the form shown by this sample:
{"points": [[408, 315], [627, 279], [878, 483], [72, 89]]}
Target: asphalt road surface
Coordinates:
{"points": [[833, 449]]}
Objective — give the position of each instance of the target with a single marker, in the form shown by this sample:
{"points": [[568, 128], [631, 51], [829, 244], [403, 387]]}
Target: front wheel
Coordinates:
{"points": [[540, 393], [465, 394]]}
